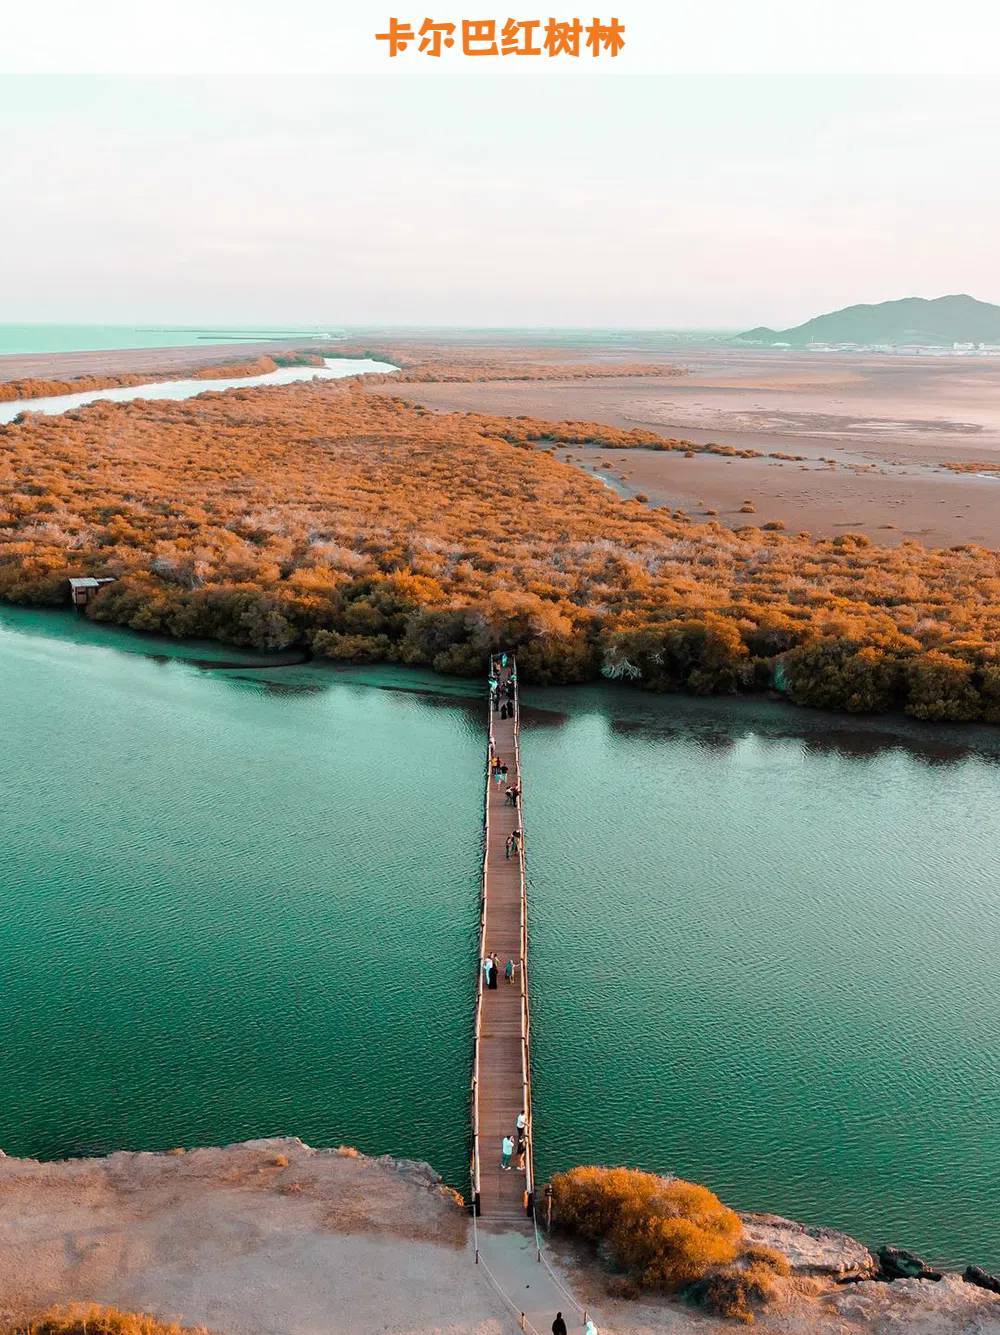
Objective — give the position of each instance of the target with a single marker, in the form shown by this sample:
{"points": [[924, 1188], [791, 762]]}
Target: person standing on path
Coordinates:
{"points": [[508, 972], [559, 1325], [488, 969], [506, 1150], [494, 971]]}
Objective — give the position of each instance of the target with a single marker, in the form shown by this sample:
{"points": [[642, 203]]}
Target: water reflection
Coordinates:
{"points": [[716, 726]]}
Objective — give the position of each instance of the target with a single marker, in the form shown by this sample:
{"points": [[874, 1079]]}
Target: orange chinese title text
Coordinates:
{"points": [[510, 37]]}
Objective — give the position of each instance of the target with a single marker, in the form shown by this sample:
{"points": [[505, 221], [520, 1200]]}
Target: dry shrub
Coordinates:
{"points": [[279, 1161], [773, 1260], [665, 1233], [736, 1290], [669, 1236], [91, 1320]]}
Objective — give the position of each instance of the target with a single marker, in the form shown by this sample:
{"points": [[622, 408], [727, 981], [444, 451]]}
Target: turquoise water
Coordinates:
{"points": [[203, 941], [25, 338], [244, 902]]}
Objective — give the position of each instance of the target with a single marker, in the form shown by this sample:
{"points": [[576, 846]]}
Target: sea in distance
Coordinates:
{"points": [[242, 901], [32, 338]]}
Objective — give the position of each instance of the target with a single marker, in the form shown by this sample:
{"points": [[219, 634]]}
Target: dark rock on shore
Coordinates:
{"points": [[974, 1275], [899, 1264]]}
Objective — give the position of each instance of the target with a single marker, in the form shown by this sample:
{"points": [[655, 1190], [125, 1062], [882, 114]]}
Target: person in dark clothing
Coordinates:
{"points": [[559, 1325]]}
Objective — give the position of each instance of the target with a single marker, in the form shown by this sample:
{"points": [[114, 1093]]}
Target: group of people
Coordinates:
{"points": [[503, 697], [498, 769], [513, 794], [491, 970], [503, 687], [517, 1143]]}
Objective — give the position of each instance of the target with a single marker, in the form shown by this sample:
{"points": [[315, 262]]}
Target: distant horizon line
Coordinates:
{"points": [[315, 326]]}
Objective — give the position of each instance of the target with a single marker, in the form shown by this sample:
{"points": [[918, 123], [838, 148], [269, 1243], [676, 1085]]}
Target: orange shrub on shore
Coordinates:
{"points": [[233, 370], [669, 1236], [36, 388], [367, 528], [87, 1319]]}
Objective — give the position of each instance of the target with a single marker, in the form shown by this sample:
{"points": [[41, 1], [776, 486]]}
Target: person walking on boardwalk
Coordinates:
{"points": [[559, 1325], [487, 970], [495, 972], [506, 1150], [509, 846], [508, 972]]}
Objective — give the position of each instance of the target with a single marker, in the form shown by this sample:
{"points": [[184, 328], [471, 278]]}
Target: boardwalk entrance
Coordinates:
{"points": [[501, 1081]]}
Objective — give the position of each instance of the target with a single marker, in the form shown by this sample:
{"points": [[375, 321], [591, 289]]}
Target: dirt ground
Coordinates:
{"points": [[271, 1237]]}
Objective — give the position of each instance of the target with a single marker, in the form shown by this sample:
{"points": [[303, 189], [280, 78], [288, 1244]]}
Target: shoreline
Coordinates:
{"points": [[907, 729], [271, 1237], [141, 361]]}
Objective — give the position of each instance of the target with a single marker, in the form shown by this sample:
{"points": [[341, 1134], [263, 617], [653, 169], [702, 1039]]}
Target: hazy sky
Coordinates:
{"points": [[652, 200]]}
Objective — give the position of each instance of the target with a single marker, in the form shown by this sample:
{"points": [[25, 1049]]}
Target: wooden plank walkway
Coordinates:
{"points": [[501, 1085]]}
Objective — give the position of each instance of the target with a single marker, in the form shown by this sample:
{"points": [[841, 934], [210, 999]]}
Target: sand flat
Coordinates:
{"points": [[888, 424]]}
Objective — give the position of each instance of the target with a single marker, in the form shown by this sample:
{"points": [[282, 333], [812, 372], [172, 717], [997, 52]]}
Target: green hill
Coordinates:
{"points": [[936, 323]]}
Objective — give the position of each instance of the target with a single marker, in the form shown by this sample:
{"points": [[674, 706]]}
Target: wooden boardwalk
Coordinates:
{"points": [[501, 1082]]}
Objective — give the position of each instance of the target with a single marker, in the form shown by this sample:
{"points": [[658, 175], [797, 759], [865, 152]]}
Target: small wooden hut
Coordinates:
{"points": [[81, 590]]}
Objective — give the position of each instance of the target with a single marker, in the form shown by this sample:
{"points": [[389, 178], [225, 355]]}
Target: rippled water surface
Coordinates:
{"points": [[234, 904], [241, 902], [766, 945]]}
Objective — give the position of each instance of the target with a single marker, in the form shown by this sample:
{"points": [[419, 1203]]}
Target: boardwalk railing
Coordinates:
{"points": [[475, 1166], [529, 1181]]}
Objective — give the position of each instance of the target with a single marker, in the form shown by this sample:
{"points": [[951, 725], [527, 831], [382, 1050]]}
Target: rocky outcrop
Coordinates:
{"points": [[895, 1263], [821, 1253], [949, 1307], [974, 1275]]}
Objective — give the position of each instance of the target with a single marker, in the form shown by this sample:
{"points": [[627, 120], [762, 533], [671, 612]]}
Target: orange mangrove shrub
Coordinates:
{"points": [[92, 1320], [665, 1233], [670, 1236], [362, 527]]}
